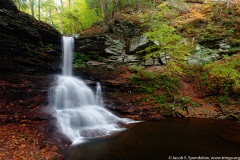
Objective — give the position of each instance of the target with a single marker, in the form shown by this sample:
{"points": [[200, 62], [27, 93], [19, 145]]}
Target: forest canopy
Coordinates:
{"points": [[73, 16]]}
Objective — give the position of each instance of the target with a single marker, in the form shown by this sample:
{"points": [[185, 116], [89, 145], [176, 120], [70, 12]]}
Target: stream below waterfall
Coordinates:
{"points": [[97, 134], [158, 140]]}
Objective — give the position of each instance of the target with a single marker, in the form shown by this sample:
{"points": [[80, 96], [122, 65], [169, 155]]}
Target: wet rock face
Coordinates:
{"points": [[113, 50], [27, 45], [7, 4], [220, 44], [101, 45], [137, 42], [106, 45], [29, 53]]}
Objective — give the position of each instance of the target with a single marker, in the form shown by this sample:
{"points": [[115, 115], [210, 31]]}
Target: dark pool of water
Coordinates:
{"points": [[160, 139]]}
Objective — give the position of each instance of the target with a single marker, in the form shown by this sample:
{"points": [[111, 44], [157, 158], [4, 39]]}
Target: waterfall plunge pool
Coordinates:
{"points": [[158, 140], [82, 117]]}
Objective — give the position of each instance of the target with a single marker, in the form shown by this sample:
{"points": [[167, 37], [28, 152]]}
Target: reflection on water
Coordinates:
{"points": [[161, 139]]}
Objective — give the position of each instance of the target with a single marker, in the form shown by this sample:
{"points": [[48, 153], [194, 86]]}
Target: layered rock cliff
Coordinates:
{"points": [[27, 45], [29, 55]]}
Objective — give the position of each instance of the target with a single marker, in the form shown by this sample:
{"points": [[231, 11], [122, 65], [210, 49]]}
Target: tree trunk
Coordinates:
{"points": [[228, 3], [50, 16], [103, 9], [61, 3], [39, 9], [61, 27], [139, 5], [32, 7], [153, 11], [71, 3]]}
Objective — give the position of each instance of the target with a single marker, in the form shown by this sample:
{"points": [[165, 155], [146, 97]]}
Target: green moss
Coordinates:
{"points": [[183, 101], [80, 60], [234, 49]]}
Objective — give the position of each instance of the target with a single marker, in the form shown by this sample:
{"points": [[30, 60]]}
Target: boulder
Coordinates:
{"points": [[137, 42], [203, 55], [114, 46], [222, 45], [103, 45]]}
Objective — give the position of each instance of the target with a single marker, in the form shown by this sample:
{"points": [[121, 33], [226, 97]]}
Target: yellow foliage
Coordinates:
{"points": [[192, 16]]}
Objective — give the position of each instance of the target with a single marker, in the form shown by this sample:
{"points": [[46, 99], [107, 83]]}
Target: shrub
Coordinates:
{"points": [[162, 87], [224, 76]]}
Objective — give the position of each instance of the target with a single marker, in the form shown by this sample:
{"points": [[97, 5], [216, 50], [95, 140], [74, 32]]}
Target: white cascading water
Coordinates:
{"points": [[68, 45], [99, 95], [79, 111]]}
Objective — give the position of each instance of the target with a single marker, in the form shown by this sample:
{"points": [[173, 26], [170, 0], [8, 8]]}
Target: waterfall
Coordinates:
{"points": [[99, 95], [80, 112], [68, 43]]}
